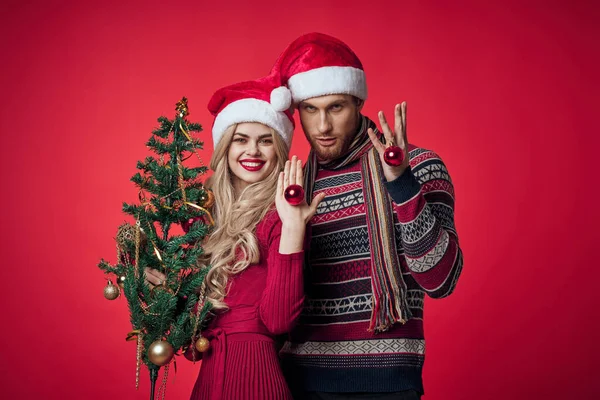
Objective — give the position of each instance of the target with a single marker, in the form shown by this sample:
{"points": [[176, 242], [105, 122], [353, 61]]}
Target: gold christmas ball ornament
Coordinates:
{"points": [[207, 199], [111, 291], [125, 234], [202, 344], [121, 281], [160, 352]]}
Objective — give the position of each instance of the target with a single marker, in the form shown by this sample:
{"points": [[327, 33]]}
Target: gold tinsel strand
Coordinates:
{"points": [[118, 253], [156, 252], [145, 308], [137, 248], [204, 210], [138, 363], [184, 131], [201, 300], [181, 185], [163, 386], [183, 110]]}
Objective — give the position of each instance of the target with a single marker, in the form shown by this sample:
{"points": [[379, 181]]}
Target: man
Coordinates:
{"points": [[382, 238]]}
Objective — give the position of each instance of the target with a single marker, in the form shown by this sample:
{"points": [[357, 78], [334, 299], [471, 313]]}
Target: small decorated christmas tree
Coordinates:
{"points": [[167, 318]]}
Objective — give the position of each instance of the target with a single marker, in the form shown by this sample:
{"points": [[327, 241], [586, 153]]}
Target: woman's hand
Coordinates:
{"points": [[293, 217], [154, 277]]}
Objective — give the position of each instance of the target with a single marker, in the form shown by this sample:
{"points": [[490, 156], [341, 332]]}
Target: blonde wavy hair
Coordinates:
{"points": [[233, 246]]}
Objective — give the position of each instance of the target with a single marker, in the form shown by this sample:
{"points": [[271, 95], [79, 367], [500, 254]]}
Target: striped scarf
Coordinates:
{"points": [[389, 289]]}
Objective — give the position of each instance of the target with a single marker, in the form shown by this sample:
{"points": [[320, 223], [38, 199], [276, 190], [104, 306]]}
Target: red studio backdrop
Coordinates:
{"points": [[504, 91]]}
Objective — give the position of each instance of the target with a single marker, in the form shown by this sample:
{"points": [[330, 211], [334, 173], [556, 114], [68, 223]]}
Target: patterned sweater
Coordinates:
{"points": [[331, 349]]}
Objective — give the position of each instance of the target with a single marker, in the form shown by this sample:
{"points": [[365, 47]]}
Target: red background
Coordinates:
{"points": [[503, 91]]}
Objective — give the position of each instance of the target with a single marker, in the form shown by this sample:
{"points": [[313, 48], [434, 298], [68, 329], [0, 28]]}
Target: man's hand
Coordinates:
{"points": [[396, 137]]}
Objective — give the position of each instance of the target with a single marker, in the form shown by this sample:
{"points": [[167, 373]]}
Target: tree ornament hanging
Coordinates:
{"points": [[202, 344], [111, 291], [192, 354], [121, 281], [207, 200], [160, 352]]}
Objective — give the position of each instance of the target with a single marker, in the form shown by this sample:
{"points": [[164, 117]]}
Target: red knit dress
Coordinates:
{"points": [[264, 300]]}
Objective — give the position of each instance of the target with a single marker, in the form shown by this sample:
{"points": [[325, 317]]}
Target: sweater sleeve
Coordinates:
{"points": [[283, 297], [424, 204]]}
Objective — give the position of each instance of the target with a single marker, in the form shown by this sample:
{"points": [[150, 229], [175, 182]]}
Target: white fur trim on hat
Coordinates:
{"points": [[281, 98], [328, 80], [252, 110]]}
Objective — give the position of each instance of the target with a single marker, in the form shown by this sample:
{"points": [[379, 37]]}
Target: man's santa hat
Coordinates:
{"points": [[317, 64], [262, 100]]}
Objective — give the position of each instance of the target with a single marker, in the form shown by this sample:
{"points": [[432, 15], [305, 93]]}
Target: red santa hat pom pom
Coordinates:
{"points": [[281, 98]]}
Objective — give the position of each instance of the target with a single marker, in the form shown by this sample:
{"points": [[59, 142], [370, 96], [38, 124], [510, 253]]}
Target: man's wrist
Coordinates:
{"points": [[404, 187], [393, 175]]}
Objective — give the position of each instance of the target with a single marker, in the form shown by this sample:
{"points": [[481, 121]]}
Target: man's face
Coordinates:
{"points": [[330, 123]]}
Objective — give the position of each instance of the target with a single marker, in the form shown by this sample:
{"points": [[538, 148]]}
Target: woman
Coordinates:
{"points": [[256, 250]]}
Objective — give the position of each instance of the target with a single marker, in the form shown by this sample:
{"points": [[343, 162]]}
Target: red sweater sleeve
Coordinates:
{"points": [[283, 297]]}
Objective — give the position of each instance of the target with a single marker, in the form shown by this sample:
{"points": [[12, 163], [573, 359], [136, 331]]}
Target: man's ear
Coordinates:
{"points": [[359, 103]]}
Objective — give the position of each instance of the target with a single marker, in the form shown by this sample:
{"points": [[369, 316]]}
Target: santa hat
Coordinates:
{"points": [[262, 100], [317, 64]]}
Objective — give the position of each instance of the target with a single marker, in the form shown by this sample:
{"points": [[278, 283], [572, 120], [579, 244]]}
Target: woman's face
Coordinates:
{"points": [[251, 155]]}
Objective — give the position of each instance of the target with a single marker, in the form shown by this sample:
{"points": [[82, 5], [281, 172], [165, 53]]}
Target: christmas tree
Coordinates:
{"points": [[167, 318]]}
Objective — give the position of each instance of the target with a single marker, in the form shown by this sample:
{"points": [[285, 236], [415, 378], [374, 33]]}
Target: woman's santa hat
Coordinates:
{"points": [[262, 100], [317, 65]]}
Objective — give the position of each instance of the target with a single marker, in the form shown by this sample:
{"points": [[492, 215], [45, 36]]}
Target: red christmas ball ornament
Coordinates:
{"points": [[186, 225], [393, 156], [294, 194], [192, 354]]}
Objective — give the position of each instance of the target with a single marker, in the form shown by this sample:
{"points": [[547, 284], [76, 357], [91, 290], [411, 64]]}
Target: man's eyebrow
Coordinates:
{"points": [[338, 102]]}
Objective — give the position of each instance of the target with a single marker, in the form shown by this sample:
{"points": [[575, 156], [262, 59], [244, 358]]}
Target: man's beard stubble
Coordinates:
{"points": [[326, 155]]}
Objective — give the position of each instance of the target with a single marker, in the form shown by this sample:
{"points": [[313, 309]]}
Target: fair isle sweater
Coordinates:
{"points": [[331, 349]]}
